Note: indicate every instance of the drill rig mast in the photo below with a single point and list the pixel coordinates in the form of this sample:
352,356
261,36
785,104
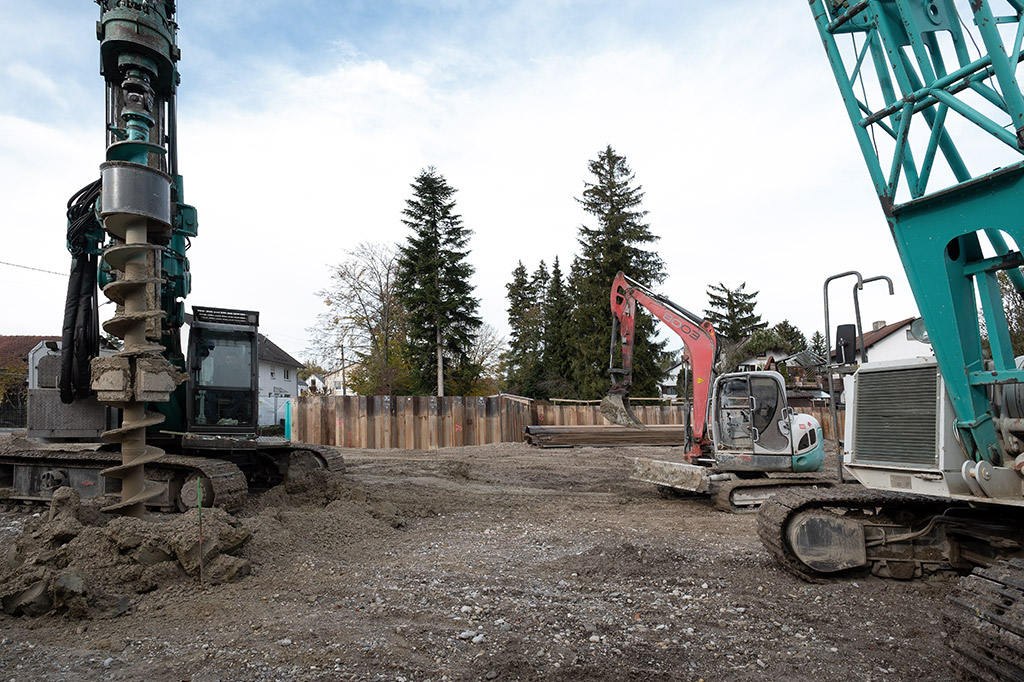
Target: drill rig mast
141,210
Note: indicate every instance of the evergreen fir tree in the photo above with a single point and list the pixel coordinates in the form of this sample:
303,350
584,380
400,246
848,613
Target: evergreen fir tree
615,243
731,312
535,331
434,287
557,357
792,340
818,345
515,358
524,358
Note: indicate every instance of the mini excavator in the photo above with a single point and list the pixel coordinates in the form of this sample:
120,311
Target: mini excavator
757,443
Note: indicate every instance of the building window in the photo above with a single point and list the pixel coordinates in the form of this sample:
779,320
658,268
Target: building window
271,372
287,372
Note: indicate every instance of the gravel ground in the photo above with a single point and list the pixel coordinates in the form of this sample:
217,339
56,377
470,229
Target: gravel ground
500,562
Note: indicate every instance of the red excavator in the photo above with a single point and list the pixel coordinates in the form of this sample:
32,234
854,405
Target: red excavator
755,442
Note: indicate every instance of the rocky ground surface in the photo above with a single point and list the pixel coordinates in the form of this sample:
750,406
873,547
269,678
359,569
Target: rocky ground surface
500,562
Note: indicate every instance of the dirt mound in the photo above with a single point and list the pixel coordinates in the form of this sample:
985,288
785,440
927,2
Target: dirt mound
79,560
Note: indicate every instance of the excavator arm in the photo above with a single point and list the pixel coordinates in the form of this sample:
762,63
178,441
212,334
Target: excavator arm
698,337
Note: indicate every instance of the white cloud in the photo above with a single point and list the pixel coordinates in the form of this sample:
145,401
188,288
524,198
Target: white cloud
36,82
739,140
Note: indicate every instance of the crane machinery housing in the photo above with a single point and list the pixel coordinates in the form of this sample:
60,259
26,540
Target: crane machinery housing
932,90
742,428
129,231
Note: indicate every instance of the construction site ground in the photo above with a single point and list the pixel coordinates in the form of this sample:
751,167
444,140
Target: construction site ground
500,562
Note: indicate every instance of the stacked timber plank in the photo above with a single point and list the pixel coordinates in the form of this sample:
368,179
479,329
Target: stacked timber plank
603,436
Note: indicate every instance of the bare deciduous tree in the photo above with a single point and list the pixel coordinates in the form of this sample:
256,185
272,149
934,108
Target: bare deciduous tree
363,326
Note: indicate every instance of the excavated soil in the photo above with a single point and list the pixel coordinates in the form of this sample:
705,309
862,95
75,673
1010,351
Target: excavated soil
500,562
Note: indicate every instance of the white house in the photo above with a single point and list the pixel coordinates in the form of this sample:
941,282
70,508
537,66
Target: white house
756,363
667,385
336,382
279,381
891,342
315,385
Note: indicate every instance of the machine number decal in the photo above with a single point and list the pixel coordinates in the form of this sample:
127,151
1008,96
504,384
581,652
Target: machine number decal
680,324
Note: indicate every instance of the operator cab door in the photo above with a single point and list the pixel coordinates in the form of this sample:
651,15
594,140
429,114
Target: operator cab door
224,377
751,423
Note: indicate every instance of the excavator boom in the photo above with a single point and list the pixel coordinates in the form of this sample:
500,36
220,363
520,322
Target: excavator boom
698,337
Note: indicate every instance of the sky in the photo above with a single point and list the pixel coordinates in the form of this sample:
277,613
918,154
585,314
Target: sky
302,125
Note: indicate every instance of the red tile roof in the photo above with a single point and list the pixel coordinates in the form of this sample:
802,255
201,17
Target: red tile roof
14,349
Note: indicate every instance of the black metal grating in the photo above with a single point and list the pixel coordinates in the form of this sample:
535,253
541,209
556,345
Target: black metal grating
896,415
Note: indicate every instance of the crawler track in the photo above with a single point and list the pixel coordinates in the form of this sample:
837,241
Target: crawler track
331,458
984,622
776,513
228,485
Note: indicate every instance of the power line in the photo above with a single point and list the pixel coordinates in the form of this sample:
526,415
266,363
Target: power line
26,267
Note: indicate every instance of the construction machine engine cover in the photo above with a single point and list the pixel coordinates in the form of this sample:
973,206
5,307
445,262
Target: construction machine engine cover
901,435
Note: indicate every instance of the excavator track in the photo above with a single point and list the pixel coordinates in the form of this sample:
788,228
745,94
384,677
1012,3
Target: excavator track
776,514
728,495
984,623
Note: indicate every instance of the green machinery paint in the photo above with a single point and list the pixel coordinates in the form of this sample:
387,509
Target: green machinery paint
940,233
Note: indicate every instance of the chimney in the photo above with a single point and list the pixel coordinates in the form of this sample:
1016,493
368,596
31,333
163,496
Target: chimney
877,325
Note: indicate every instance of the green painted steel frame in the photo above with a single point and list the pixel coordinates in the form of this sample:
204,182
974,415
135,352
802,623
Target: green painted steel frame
939,234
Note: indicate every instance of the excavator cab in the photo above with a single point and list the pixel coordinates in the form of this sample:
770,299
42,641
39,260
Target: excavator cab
223,371
754,428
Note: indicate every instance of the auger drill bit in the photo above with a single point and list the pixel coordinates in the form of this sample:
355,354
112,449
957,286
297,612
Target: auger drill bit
138,55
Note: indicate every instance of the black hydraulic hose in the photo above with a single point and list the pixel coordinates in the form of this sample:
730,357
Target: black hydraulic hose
81,216
87,332
80,330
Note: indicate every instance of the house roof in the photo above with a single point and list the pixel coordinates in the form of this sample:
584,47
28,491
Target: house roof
873,337
804,358
271,352
876,335
14,350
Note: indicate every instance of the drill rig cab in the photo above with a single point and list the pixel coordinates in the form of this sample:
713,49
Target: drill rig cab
223,371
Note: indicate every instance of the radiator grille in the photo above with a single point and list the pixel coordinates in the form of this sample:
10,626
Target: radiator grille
896,413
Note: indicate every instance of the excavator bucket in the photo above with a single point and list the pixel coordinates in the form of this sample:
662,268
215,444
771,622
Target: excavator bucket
615,408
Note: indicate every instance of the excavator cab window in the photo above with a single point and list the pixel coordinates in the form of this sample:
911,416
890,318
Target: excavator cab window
767,406
751,414
733,414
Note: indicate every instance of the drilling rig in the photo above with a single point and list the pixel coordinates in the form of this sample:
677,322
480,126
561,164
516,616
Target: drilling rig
932,91
186,435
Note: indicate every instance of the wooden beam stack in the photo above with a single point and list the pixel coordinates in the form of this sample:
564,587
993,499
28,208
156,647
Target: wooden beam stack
603,436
